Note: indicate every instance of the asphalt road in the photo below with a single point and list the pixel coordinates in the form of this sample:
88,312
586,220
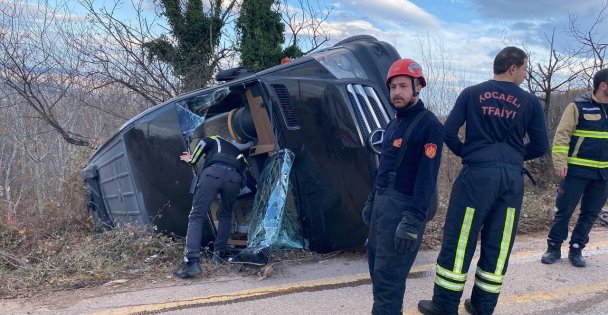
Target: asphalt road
341,285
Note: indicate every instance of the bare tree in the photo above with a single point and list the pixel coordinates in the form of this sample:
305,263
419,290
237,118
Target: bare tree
36,67
594,41
444,82
151,60
557,74
114,52
10,154
549,79
305,22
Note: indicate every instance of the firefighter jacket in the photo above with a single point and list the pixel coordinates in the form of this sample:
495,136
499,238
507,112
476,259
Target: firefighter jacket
417,174
581,139
216,149
489,110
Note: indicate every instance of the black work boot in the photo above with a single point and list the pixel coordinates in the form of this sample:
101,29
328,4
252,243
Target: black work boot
468,306
553,253
190,268
428,307
576,256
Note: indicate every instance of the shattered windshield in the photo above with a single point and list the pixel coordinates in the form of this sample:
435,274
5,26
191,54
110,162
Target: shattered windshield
342,63
188,120
200,104
275,220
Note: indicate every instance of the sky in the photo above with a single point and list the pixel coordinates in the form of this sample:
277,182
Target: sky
469,32
465,35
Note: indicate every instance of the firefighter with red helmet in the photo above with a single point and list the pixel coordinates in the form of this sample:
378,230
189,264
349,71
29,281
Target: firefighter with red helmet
487,195
397,209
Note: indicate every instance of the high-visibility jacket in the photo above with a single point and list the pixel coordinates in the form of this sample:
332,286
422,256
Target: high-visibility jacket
581,139
216,149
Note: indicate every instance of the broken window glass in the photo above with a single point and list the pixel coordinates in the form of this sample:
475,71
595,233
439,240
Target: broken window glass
274,220
188,121
200,104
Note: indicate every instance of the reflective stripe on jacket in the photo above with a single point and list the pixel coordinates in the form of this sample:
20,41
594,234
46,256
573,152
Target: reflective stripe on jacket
581,139
216,149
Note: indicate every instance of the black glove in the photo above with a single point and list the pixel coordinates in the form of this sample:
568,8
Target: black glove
367,209
406,236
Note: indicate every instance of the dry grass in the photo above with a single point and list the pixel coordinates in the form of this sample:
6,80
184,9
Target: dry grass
78,259
57,248
538,209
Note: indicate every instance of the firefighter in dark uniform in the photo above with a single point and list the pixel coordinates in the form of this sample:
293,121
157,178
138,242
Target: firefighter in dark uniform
487,194
222,173
396,212
580,157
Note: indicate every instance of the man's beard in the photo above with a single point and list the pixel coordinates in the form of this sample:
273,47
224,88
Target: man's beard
399,99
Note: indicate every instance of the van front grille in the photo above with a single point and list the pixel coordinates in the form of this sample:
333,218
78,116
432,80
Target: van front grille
368,108
369,113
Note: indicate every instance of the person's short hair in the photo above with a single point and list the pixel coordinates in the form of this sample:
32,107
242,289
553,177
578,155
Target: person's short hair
598,78
507,57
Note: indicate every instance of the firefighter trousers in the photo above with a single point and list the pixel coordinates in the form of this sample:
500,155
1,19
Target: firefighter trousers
485,201
387,267
594,194
215,178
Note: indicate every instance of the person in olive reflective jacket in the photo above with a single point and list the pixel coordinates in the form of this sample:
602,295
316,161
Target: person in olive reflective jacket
580,157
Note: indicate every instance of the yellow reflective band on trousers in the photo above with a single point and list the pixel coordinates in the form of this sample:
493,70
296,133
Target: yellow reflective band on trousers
588,163
489,276
507,234
492,288
463,239
591,134
451,275
456,274
449,285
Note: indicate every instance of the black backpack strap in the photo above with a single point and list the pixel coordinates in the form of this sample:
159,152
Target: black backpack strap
406,135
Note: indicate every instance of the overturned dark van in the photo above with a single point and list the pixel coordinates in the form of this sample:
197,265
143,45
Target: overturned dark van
323,108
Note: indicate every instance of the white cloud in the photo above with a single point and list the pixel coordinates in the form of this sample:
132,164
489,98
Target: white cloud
537,9
402,12
341,30
468,46
467,49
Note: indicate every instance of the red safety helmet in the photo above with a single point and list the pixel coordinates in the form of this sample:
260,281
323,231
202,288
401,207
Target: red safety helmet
407,67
